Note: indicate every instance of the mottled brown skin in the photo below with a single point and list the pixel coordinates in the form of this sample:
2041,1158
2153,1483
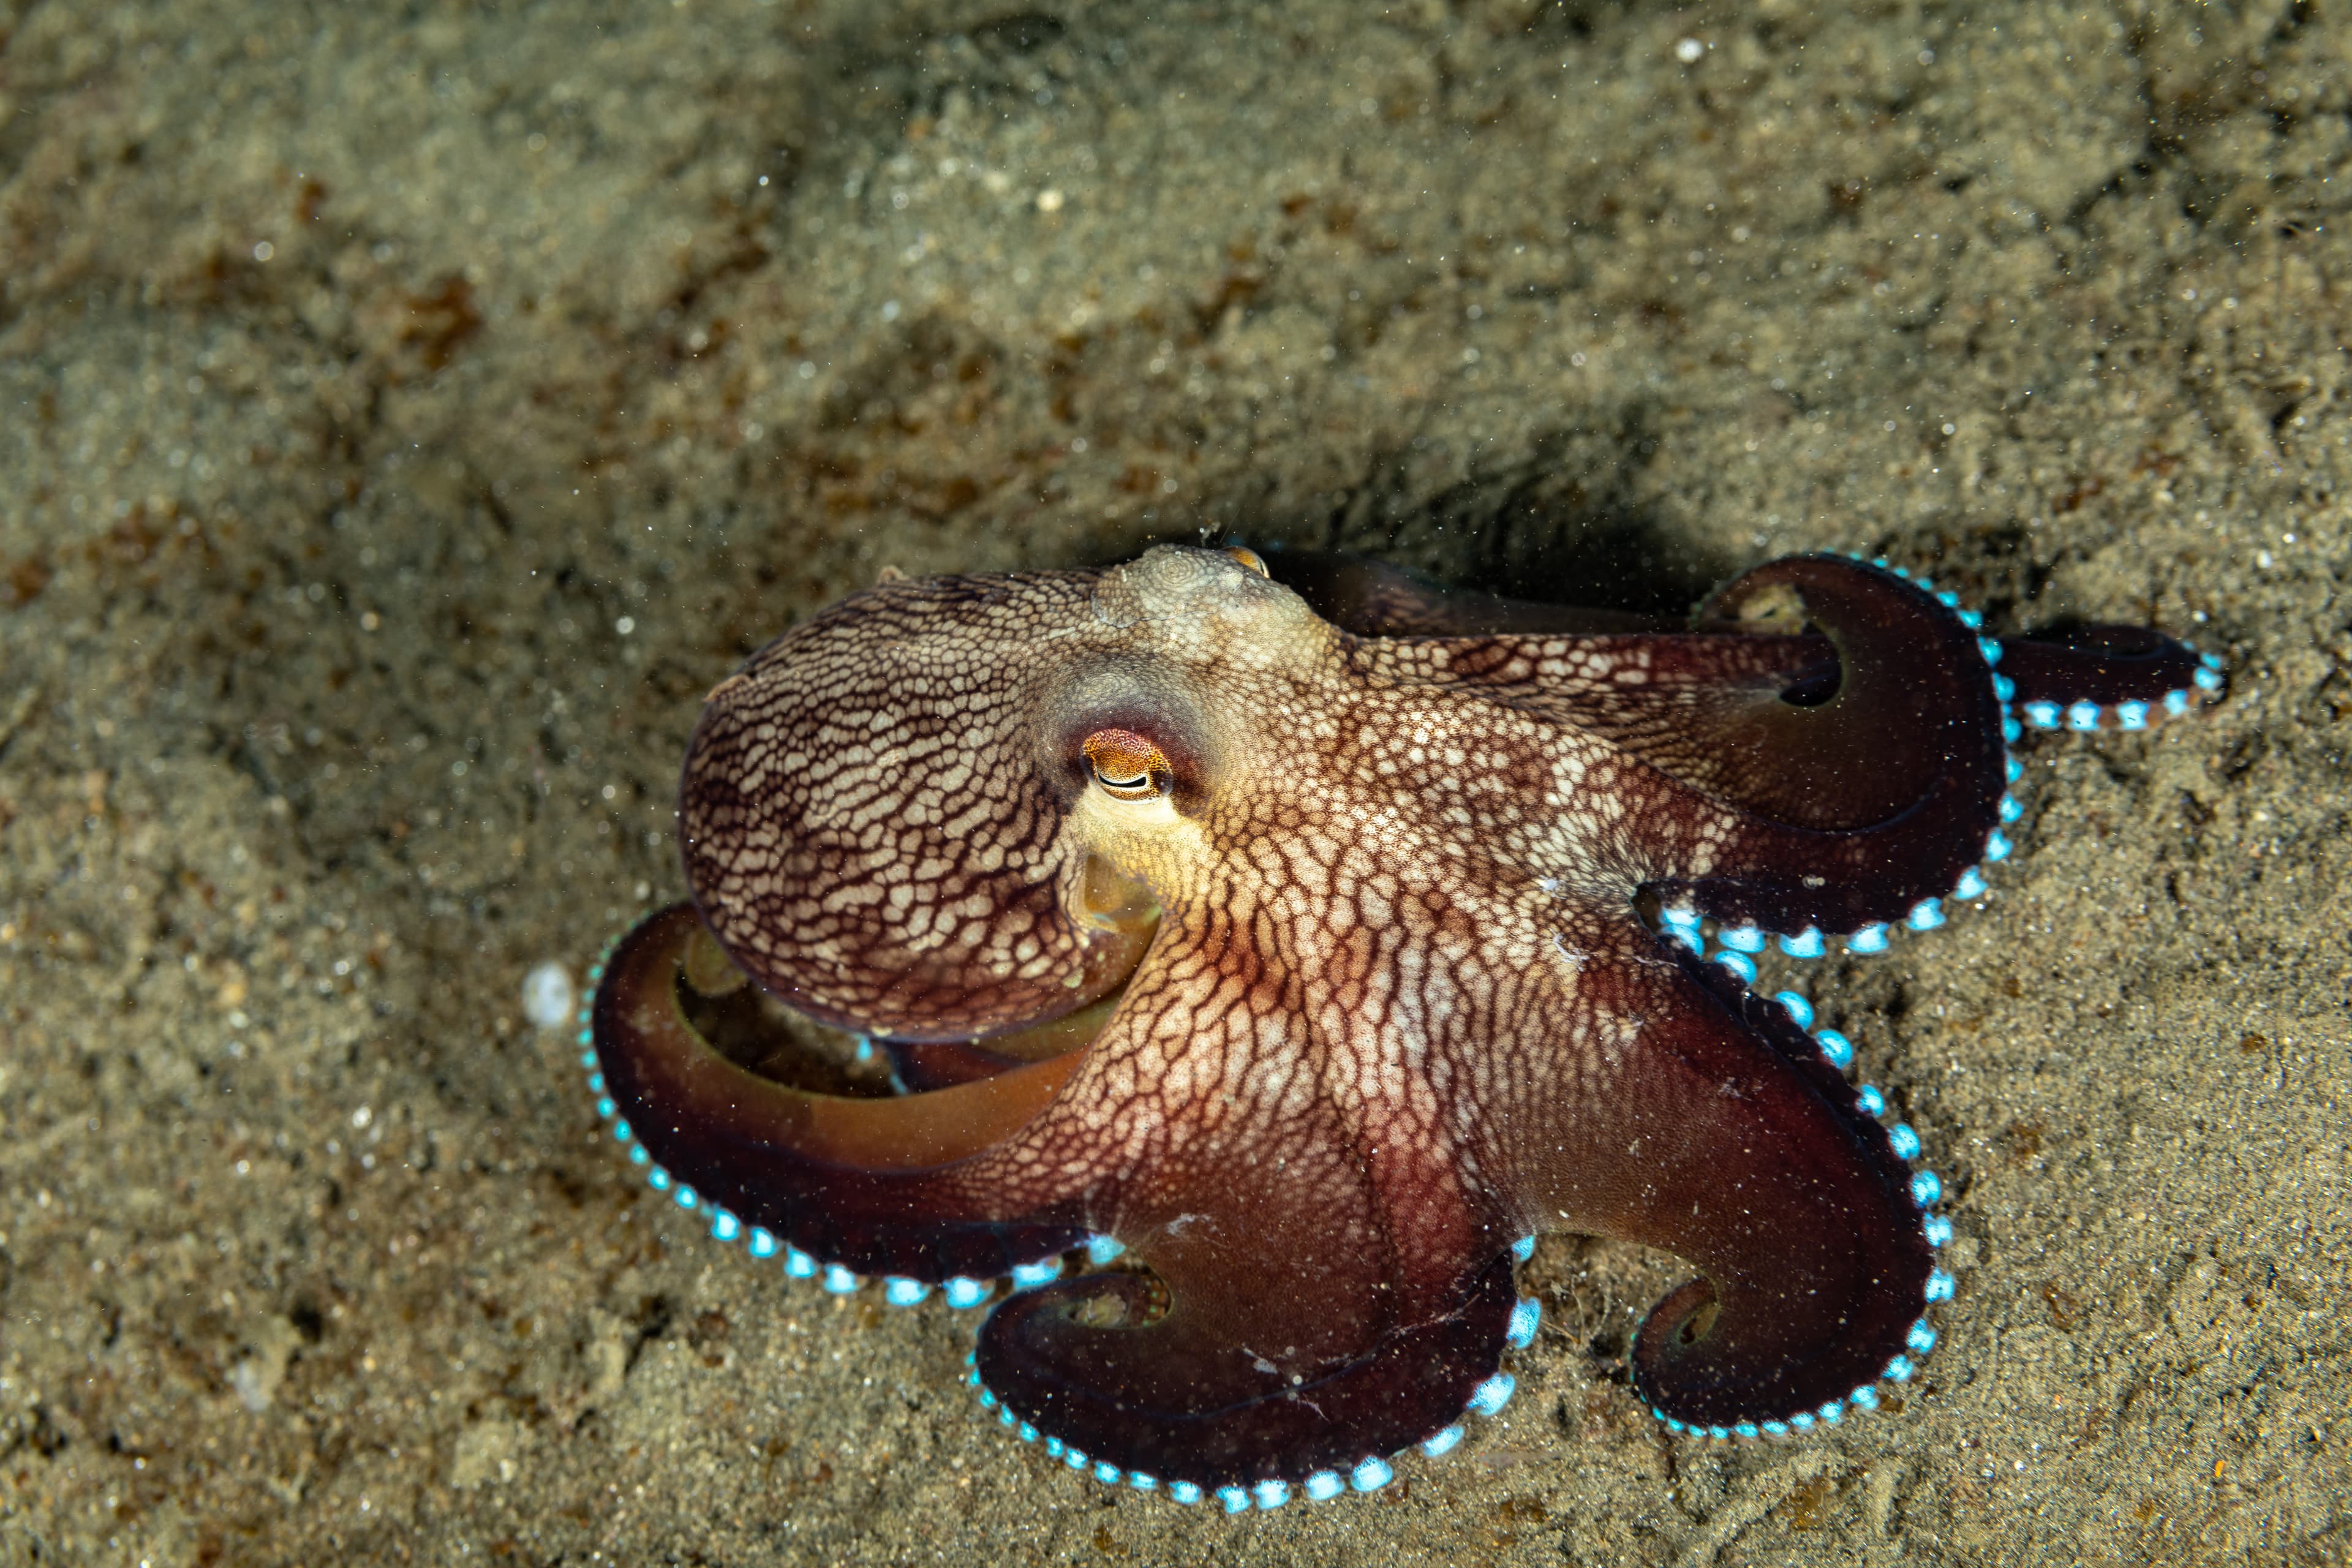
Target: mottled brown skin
1388,1001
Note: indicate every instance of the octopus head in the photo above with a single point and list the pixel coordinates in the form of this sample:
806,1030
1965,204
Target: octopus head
953,808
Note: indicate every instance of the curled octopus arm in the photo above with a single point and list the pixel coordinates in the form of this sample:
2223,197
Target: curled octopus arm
1690,1115
876,1186
1826,781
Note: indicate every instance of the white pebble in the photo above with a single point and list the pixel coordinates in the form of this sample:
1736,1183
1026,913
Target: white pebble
548,997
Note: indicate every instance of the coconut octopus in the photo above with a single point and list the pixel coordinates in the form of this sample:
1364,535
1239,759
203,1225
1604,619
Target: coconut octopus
1289,956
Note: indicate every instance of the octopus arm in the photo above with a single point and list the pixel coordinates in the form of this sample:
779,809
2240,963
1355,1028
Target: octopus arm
1686,703
2108,666
1834,731
880,1186
1862,796
1891,712
1724,1137
1297,1306
1852,800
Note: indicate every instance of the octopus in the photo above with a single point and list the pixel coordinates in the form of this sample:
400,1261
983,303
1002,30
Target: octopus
1262,960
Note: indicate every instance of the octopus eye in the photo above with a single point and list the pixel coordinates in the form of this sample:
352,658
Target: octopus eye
1249,558
1127,766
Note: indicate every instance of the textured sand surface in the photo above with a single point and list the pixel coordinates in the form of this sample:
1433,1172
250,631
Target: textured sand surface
408,417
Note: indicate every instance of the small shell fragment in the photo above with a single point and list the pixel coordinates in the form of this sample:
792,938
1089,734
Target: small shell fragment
548,997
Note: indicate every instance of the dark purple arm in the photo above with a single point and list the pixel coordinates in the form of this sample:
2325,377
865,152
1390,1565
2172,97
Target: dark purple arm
872,1185
1717,1131
1299,1314
2125,676
1837,778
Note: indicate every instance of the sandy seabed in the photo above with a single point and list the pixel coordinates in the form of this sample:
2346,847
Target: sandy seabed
408,417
